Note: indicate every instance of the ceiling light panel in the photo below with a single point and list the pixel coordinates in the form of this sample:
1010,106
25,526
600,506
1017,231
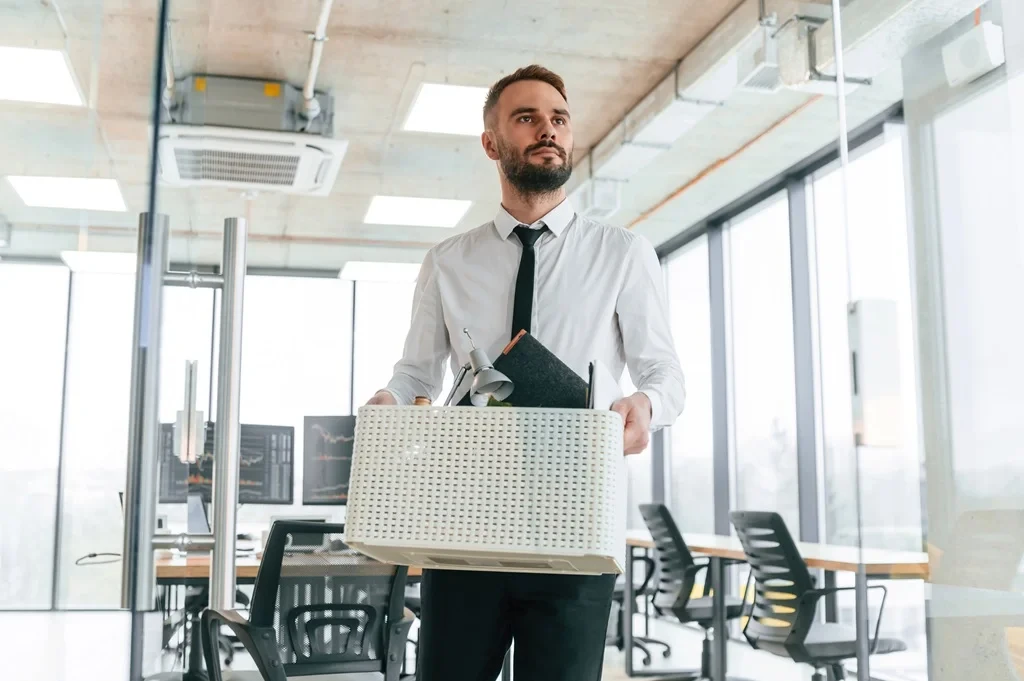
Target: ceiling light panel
447,109
35,75
359,270
415,212
80,193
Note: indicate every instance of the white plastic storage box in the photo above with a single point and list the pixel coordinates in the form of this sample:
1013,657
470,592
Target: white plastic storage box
494,488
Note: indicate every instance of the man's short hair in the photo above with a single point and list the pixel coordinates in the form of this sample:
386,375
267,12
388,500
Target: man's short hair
532,72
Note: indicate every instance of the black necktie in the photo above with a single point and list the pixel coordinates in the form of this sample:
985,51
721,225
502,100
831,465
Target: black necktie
522,308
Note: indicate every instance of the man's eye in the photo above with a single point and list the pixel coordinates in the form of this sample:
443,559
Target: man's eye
560,121
525,119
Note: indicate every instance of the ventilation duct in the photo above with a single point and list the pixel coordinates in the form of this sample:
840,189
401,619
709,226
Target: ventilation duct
876,35
741,52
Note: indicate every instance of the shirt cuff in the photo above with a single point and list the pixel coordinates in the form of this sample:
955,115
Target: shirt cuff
656,408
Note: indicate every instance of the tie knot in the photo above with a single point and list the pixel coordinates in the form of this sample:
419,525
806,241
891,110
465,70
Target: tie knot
528,236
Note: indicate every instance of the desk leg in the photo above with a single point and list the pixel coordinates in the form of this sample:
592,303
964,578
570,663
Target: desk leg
718,620
627,612
863,634
195,671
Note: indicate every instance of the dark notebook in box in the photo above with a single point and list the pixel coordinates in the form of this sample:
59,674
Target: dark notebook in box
539,377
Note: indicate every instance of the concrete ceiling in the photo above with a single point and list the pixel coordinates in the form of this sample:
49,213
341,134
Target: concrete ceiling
610,53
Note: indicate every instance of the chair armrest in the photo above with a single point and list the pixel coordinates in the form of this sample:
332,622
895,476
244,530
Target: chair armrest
814,595
398,637
696,569
259,642
649,565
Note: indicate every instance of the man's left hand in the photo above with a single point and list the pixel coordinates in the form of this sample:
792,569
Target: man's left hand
636,416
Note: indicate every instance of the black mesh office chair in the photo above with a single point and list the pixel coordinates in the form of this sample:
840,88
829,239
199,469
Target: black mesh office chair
324,609
784,618
645,590
676,571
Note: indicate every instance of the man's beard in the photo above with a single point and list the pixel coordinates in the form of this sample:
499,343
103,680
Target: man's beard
531,178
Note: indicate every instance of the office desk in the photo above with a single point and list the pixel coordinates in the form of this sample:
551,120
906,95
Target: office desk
864,563
195,570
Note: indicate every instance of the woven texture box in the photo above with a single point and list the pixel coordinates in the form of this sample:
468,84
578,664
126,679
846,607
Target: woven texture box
496,488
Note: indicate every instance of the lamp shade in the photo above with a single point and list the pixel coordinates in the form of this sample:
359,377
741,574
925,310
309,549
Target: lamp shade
487,381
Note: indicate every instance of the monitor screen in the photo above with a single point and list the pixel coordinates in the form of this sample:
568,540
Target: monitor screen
327,446
266,466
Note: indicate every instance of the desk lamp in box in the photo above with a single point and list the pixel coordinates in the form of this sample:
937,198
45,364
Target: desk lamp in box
488,382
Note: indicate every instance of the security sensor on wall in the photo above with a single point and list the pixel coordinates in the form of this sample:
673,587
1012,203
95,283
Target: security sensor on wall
974,54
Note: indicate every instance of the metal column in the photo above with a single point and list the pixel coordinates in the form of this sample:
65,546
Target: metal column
138,576
226,449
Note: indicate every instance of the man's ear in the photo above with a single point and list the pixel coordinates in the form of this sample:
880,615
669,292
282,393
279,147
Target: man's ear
490,148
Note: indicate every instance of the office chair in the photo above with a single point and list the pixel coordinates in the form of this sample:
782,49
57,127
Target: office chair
317,612
646,591
783,620
677,572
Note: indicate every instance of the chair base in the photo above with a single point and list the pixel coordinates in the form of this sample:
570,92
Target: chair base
838,673
667,674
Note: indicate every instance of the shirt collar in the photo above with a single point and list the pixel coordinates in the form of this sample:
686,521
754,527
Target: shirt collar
557,220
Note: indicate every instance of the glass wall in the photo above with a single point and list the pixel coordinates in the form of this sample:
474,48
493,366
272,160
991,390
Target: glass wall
873,266
32,380
95,436
690,445
966,143
762,388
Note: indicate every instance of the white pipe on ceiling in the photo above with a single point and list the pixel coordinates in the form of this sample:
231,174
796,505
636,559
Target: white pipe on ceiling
310,106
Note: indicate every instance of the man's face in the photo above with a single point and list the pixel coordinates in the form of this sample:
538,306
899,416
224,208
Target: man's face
530,135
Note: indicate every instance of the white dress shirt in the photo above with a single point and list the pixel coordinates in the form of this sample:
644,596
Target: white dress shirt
598,295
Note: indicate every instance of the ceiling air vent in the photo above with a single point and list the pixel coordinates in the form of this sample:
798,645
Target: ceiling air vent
209,156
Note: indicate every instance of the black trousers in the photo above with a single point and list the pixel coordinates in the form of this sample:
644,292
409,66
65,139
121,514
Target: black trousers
559,623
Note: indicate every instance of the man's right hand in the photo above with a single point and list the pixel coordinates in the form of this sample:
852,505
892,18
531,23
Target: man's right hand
383,398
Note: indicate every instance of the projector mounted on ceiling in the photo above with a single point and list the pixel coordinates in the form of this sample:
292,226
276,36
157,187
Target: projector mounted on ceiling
249,135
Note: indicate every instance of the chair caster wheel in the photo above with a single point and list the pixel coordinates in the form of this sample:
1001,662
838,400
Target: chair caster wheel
647,660
666,653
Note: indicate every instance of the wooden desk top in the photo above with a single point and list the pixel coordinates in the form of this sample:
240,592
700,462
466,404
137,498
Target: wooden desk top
174,567
878,562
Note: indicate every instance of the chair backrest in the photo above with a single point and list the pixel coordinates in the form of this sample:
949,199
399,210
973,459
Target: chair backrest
329,606
673,563
780,578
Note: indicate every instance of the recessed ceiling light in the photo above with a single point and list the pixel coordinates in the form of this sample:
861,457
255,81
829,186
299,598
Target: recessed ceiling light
82,193
359,270
447,109
415,212
33,75
102,262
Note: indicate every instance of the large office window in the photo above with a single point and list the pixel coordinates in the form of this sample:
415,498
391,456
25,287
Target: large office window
690,450
382,317
33,314
762,389
296,362
874,264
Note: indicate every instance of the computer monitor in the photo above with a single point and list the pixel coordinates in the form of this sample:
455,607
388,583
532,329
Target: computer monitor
265,471
327,447
161,520
198,518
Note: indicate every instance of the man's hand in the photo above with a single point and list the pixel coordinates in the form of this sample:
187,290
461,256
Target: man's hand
383,399
636,416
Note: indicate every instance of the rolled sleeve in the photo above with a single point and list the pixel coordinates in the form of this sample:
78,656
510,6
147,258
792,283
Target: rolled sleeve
421,369
647,337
